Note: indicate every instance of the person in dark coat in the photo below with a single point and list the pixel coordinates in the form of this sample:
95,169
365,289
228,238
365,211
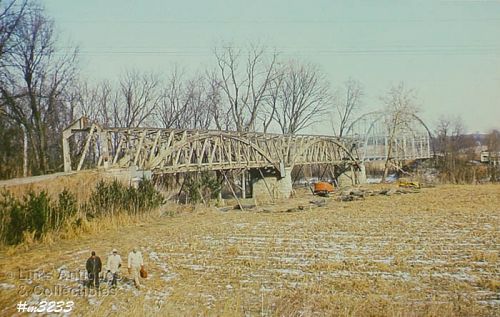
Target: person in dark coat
94,267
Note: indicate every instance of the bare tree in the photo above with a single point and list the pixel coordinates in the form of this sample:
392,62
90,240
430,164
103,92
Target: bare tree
187,103
221,115
400,103
11,14
274,96
173,104
38,77
85,101
202,100
493,142
105,102
214,103
346,102
298,97
136,98
170,106
448,131
244,89
96,102
455,149
12,136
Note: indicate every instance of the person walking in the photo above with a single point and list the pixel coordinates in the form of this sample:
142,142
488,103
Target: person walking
114,264
135,264
93,267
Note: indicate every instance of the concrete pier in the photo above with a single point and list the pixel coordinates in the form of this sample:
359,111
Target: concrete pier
270,185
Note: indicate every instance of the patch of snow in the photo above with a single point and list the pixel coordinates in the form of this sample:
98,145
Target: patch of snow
81,252
210,300
490,302
287,271
431,261
169,277
154,256
385,260
195,267
461,276
264,289
478,263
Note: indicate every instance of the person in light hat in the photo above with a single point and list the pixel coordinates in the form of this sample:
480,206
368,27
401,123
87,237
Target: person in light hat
135,263
114,264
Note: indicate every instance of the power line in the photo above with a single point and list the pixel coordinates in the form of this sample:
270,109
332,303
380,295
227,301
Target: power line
465,50
275,21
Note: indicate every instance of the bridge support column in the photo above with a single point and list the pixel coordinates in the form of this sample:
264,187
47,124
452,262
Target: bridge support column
285,184
270,185
361,174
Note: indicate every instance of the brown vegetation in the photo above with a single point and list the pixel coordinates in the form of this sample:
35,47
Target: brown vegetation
429,253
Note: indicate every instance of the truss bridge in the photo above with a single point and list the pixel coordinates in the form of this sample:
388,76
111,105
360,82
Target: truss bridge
174,151
377,138
170,151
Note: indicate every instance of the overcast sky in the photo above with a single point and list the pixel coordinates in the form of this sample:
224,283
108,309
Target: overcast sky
448,51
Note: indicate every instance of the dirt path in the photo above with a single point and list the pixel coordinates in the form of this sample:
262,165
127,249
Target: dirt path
434,252
33,179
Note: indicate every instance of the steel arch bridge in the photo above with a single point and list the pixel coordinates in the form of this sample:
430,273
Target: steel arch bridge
167,151
371,132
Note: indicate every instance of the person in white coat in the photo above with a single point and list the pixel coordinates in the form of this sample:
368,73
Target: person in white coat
114,264
135,263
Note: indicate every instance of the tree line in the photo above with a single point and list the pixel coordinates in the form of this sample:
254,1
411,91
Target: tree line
247,89
41,92
457,152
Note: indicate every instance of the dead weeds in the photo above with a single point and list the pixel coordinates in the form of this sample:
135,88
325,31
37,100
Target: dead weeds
431,253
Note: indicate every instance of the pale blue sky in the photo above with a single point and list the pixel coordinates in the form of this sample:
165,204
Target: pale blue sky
449,51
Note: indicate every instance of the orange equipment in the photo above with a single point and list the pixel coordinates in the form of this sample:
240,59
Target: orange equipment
323,188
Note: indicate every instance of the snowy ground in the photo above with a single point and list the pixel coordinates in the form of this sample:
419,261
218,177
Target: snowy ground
434,252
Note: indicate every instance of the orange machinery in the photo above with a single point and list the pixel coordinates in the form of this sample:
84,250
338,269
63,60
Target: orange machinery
322,188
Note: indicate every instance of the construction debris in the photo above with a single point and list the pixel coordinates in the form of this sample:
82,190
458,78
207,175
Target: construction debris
319,202
361,193
347,194
408,183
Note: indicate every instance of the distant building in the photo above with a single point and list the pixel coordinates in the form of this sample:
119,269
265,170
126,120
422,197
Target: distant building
490,157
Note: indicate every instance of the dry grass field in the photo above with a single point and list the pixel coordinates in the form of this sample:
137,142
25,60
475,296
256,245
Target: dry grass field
431,253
